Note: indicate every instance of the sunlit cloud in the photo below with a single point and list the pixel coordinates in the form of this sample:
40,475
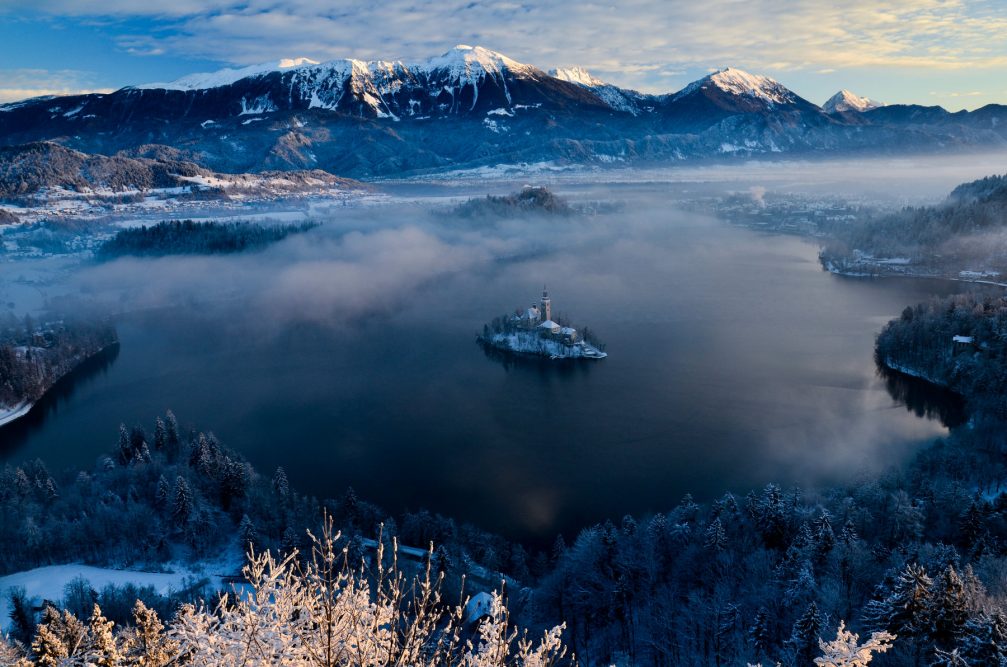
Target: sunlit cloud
21,84
639,43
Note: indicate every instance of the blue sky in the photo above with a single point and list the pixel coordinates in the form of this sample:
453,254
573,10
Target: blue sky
948,52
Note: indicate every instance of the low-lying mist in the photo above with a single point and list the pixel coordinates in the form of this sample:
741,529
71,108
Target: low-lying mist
347,355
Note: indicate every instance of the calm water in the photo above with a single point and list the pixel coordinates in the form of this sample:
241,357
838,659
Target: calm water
734,361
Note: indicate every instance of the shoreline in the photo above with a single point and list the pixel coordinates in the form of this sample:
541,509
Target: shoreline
590,353
12,414
831,268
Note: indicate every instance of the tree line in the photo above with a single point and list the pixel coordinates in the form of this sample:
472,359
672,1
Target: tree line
188,237
34,355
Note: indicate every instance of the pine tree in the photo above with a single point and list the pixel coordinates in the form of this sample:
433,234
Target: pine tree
22,484
125,449
280,484
20,613
48,647
825,537
948,609
848,535
289,541
160,435
761,633
103,648
51,494
904,611
973,528
171,437
804,637
59,637
147,644
558,550
162,494
246,533
182,508
715,539
984,640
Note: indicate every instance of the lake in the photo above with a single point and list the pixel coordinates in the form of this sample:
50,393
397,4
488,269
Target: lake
349,358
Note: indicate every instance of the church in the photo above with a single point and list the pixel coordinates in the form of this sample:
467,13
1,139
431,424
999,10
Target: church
539,318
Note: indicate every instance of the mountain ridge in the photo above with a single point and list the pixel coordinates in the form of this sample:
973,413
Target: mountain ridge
473,107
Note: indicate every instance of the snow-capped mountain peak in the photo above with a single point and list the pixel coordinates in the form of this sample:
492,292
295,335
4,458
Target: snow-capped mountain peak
576,75
739,82
844,100
467,63
227,76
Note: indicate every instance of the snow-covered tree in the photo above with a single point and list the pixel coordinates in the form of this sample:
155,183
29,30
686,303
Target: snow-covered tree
103,647
805,635
715,539
125,449
182,507
325,613
146,643
760,634
847,651
160,435
905,610
280,484
948,609
246,532
59,638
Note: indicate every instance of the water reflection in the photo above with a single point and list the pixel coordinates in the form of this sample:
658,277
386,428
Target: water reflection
923,398
18,432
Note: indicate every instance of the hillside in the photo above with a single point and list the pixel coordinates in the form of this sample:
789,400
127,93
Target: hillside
26,169
30,169
964,233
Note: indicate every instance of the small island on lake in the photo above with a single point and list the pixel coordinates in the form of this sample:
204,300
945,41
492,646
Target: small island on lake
34,356
533,331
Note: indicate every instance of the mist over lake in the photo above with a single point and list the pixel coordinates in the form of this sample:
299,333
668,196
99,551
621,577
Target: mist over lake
347,355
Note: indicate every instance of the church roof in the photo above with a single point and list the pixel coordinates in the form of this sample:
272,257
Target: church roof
548,324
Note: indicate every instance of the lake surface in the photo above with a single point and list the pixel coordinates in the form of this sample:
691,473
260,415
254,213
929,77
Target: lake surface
734,360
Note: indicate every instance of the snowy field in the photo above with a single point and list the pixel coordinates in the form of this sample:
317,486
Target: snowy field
48,583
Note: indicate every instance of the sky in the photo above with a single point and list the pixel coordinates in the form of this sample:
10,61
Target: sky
947,52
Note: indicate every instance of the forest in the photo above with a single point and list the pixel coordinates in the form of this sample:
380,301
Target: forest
966,229
915,553
959,342
188,237
34,355
527,200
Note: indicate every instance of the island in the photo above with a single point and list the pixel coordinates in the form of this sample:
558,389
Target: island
35,356
533,331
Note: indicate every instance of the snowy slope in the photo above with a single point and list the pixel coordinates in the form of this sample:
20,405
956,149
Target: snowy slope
227,76
577,75
616,98
738,82
844,100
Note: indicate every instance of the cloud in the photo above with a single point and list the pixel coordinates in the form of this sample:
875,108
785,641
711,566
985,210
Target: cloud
635,42
19,84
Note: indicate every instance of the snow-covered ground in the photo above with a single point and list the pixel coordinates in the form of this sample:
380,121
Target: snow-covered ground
524,342
47,583
9,414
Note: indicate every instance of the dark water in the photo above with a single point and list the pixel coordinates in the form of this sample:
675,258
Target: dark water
734,361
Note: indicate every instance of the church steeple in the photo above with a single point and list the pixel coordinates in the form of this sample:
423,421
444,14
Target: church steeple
546,304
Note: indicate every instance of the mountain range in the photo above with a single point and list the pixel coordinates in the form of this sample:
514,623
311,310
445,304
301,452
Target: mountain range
472,107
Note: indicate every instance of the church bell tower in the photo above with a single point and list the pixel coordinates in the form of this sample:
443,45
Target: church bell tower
546,305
